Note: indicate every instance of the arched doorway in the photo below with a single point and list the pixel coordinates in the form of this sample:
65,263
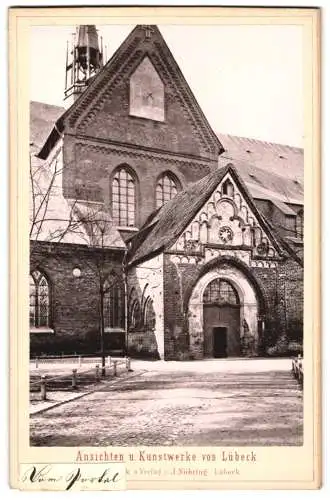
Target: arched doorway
221,319
223,313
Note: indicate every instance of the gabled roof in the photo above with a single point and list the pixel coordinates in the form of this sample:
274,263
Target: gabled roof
163,228
278,159
42,119
267,175
267,184
112,69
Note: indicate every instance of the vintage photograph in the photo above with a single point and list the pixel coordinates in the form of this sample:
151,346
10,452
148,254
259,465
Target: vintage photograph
166,235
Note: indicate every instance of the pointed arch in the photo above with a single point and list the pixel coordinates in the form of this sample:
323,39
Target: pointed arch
40,300
220,291
149,316
227,188
135,315
114,303
144,294
124,196
167,186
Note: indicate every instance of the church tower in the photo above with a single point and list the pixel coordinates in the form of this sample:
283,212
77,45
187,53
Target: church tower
86,60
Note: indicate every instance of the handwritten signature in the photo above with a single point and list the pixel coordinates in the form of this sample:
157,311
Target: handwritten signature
47,475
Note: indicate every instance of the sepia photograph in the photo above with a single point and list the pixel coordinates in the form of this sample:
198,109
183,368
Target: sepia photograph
166,235
166,248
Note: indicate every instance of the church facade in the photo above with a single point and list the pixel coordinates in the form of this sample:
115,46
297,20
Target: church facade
161,242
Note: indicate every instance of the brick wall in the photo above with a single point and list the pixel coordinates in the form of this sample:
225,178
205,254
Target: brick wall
107,136
143,344
175,134
145,281
91,166
74,301
282,293
176,281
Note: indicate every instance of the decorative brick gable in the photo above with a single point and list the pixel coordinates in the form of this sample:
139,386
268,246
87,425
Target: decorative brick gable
225,225
103,110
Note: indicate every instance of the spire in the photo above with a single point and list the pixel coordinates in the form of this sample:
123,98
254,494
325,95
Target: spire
83,62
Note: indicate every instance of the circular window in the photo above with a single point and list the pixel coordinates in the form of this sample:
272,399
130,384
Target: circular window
226,234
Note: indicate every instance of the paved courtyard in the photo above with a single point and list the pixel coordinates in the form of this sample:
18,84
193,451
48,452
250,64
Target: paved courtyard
210,402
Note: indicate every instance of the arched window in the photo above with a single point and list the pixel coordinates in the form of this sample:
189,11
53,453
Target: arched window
39,300
113,304
300,224
149,318
220,292
167,187
228,188
123,198
135,315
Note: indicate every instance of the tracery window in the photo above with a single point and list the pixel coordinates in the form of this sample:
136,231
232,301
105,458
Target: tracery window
167,187
149,315
39,300
123,198
114,307
220,291
135,315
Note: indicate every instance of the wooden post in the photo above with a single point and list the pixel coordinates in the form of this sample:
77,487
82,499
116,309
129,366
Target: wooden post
128,364
97,373
300,370
109,361
115,368
43,393
74,378
37,362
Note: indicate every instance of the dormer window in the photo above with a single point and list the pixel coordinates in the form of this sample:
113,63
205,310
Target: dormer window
300,224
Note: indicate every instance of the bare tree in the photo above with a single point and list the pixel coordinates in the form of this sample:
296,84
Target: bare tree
55,220
51,218
101,236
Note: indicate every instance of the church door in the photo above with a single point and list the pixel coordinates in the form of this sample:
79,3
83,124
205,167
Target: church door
220,342
221,320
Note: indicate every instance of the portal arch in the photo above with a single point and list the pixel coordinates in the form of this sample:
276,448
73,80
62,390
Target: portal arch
246,318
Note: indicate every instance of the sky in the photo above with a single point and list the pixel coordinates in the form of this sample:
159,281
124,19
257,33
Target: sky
247,79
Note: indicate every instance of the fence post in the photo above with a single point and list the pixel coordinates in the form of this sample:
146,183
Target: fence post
128,364
43,393
97,373
115,368
37,363
109,361
74,378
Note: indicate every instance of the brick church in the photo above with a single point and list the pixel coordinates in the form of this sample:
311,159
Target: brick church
151,233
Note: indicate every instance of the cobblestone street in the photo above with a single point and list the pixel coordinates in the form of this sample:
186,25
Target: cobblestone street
211,402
